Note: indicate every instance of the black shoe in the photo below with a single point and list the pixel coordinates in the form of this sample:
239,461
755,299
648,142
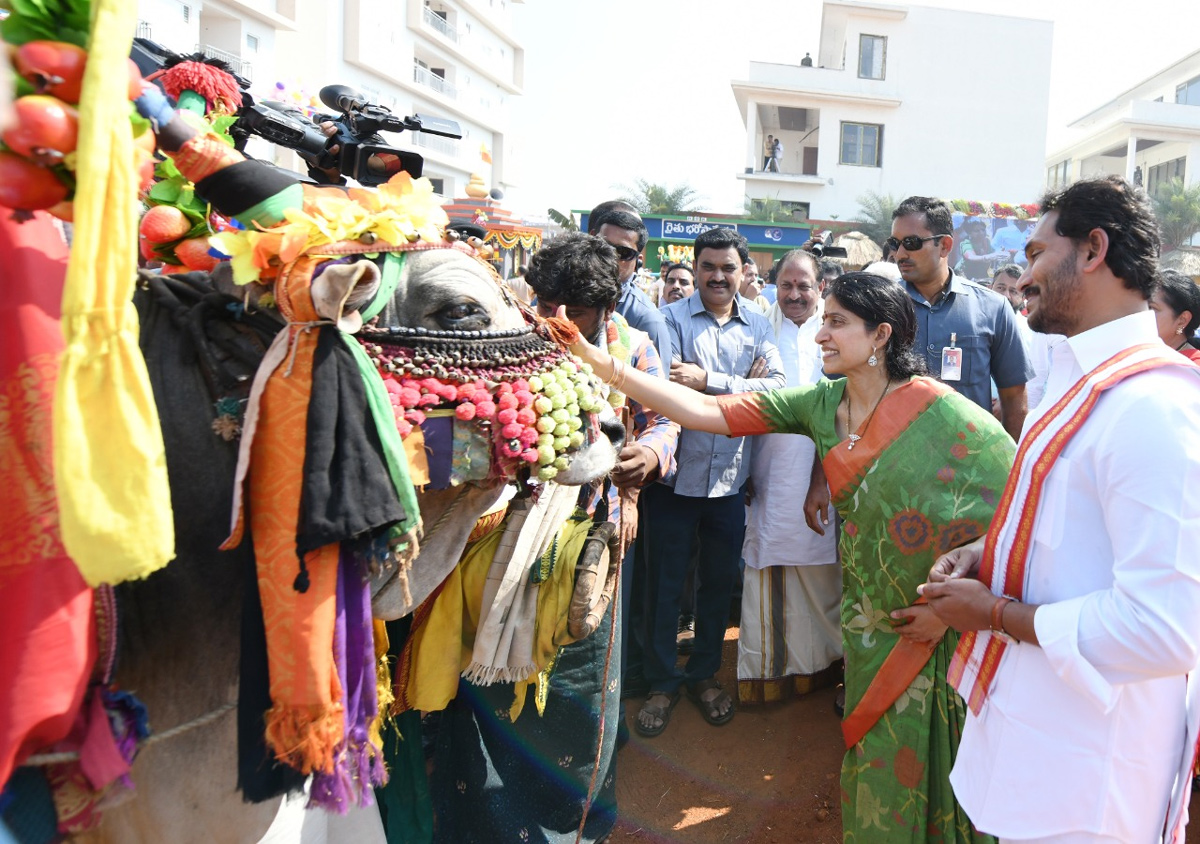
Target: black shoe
685,640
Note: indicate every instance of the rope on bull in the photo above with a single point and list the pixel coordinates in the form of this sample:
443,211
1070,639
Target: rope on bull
42,759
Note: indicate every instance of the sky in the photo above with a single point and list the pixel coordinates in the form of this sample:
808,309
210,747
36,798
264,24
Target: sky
625,89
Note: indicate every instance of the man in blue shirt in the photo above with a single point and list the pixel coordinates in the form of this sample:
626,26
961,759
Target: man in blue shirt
968,333
619,224
717,338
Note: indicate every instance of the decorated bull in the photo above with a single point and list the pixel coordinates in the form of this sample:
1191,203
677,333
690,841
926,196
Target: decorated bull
363,404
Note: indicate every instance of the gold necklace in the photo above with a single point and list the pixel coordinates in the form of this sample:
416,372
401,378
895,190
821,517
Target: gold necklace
852,437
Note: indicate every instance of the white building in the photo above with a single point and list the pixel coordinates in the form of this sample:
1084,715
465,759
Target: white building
901,100
455,59
1149,133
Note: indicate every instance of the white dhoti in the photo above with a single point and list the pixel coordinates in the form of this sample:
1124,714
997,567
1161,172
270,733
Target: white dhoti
790,639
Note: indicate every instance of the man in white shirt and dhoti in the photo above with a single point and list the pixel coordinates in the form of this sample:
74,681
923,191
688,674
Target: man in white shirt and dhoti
790,640
1083,601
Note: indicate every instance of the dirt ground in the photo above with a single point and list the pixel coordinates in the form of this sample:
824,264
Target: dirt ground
769,776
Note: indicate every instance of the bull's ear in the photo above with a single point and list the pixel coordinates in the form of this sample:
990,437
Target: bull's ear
333,289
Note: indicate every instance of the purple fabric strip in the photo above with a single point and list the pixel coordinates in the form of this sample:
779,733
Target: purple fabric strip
359,766
334,792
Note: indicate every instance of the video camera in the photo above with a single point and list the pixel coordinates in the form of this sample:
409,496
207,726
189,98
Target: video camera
822,247
362,154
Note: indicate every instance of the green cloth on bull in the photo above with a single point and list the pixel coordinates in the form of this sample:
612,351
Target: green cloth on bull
393,450
404,803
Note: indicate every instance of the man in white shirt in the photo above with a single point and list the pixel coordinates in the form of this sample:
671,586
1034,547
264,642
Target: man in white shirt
1037,345
1083,691
791,636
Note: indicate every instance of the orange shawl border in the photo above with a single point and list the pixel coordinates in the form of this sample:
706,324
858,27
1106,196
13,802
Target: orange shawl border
1018,557
901,666
845,467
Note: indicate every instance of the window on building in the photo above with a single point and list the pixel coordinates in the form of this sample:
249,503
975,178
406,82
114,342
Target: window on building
862,144
1058,175
187,14
1189,92
252,43
872,54
439,186
1160,175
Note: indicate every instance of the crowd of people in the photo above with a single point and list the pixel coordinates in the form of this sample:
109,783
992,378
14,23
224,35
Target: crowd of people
975,508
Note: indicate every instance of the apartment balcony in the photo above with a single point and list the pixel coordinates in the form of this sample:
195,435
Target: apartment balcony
239,66
765,179
435,143
440,25
808,86
430,80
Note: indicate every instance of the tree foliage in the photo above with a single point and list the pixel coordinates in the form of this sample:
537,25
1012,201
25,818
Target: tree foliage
1177,207
652,198
768,208
874,216
565,221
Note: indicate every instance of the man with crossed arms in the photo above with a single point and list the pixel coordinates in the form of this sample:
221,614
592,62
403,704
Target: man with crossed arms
1082,632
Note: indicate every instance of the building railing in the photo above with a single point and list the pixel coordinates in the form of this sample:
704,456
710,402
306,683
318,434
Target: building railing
236,63
143,30
423,76
446,146
441,25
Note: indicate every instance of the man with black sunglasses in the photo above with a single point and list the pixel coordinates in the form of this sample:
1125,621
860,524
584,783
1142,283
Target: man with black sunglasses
968,333
619,224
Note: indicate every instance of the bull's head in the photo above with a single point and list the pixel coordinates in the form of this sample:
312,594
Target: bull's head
455,349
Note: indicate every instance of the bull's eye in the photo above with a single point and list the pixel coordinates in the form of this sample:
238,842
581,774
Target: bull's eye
466,316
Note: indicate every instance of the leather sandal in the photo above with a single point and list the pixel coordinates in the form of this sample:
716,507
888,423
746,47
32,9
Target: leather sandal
710,709
661,713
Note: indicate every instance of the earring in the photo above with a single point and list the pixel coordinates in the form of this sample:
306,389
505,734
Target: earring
872,360
1178,330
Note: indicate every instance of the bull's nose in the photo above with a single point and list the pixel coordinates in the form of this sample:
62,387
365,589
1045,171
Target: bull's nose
615,431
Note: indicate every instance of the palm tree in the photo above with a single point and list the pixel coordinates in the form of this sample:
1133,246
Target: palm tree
565,221
1177,207
652,198
874,217
768,208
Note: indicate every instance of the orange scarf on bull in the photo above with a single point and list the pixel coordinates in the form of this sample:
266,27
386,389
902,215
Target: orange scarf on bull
298,577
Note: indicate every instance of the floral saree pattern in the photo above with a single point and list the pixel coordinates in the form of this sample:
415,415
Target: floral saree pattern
923,479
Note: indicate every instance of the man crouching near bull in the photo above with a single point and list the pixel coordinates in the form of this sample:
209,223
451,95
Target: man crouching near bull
530,779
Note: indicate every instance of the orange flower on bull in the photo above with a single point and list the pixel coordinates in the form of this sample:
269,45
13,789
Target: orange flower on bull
911,531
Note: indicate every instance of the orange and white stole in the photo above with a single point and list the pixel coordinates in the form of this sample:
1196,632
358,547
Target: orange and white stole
1009,539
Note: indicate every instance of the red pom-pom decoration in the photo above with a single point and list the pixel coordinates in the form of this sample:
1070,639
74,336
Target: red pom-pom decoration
465,412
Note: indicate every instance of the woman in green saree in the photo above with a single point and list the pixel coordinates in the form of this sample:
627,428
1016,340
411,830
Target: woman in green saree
914,471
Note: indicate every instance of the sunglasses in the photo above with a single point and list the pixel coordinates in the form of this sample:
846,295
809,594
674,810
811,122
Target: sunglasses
912,243
625,253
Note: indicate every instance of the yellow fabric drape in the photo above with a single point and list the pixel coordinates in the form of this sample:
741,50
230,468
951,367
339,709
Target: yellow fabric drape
110,471
441,647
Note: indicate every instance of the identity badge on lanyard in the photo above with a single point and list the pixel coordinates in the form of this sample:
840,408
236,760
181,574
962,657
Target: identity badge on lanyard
952,361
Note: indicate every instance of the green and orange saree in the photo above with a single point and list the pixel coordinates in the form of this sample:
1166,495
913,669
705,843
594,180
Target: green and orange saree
923,479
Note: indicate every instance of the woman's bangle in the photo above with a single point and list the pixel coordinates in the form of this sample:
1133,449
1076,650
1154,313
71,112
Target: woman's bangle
617,379
998,617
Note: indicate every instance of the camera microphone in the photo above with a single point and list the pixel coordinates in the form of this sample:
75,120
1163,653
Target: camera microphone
342,97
